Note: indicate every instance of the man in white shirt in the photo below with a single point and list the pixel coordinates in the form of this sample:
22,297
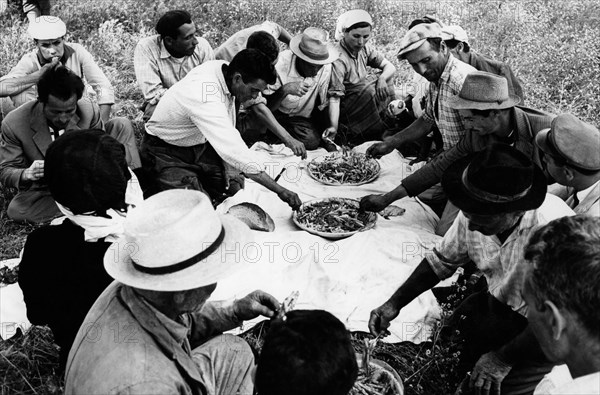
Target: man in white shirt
165,58
48,33
571,154
502,198
562,292
191,141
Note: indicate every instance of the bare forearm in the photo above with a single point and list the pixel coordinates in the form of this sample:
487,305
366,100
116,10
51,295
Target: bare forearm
285,36
263,179
422,279
395,194
265,116
274,100
13,86
105,112
388,72
334,112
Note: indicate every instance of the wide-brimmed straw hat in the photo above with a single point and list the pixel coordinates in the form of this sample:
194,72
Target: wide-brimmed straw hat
312,46
575,141
483,91
175,241
499,179
46,27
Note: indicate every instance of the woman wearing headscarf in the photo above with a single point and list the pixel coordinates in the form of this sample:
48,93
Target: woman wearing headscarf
61,272
362,97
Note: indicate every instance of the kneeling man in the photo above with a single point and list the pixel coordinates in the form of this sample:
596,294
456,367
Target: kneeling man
152,331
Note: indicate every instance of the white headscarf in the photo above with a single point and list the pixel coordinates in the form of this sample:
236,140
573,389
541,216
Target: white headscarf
108,228
349,18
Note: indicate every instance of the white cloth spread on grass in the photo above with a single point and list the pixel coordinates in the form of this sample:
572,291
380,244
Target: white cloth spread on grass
13,313
348,277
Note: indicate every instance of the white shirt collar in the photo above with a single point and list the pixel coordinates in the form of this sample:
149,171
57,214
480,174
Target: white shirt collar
581,195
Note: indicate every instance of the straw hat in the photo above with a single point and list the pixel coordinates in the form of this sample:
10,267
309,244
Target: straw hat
312,46
175,241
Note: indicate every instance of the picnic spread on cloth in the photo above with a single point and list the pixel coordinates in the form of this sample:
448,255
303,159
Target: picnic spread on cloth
348,276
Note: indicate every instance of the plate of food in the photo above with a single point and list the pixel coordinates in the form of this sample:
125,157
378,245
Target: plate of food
333,218
348,168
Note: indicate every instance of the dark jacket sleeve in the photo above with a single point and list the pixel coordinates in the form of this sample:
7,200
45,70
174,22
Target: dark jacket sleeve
432,172
12,158
37,278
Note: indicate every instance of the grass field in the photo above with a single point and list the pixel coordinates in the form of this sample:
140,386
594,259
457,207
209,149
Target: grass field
550,44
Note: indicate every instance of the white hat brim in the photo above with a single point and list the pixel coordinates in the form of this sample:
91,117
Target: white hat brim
226,260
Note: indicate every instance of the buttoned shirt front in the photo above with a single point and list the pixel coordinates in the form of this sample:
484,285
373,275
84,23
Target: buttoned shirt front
156,70
438,111
200,108
502,264
78,60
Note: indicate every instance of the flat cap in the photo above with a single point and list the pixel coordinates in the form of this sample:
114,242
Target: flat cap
416,36
47,27
575,141
454,32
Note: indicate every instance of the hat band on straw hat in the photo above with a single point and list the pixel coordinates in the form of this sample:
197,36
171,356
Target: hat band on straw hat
321,55
485,196
184,264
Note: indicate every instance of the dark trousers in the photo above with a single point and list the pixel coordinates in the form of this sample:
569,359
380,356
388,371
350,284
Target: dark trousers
480,324
198,167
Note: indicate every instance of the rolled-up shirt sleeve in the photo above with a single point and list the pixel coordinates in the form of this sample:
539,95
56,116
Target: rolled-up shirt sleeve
213,120
213,319
338,75
453,252
374,57
25,66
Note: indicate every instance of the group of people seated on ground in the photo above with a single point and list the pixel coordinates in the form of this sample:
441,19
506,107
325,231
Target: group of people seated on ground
152,331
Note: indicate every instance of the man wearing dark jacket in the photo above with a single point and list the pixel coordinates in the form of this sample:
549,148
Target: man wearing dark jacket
490,114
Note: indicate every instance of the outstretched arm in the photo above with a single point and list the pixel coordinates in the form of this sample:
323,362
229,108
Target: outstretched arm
265,116
422,279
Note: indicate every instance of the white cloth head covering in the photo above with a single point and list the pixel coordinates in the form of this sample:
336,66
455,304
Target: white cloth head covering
111,228
350,18
47,27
